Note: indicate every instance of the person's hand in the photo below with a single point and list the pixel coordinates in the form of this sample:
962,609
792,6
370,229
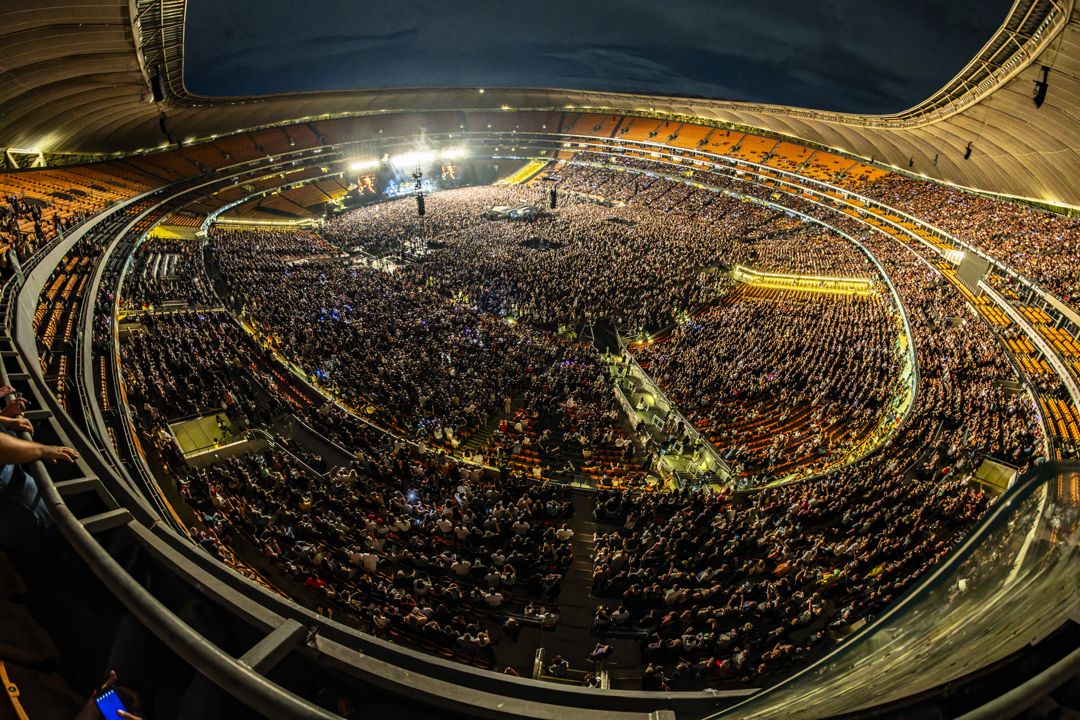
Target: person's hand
6,390
59,452
17,424
15,407
111,681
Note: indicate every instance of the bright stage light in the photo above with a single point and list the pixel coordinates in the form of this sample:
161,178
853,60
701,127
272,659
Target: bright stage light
417,157
422,157
364,165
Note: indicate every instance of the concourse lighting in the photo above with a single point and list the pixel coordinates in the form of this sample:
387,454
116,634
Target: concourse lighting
364,165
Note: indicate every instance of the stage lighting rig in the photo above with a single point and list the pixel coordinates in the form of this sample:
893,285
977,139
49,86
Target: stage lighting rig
418,176
552,192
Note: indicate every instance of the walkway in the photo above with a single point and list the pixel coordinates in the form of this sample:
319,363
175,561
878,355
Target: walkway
573,637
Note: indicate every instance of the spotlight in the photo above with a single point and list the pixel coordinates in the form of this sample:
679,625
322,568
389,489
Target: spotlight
418,176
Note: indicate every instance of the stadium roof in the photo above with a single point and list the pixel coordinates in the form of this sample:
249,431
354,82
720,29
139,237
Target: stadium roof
79,76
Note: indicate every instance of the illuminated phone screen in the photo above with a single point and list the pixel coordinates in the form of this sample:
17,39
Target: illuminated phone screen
109,704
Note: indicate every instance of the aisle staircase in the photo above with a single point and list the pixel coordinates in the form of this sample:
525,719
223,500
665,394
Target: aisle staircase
530,455
573,637
480,439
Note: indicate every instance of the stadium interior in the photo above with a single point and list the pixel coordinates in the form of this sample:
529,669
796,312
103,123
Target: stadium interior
534,403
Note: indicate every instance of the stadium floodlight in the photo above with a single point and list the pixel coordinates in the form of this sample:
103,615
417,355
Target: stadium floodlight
453,153
364,165
417,157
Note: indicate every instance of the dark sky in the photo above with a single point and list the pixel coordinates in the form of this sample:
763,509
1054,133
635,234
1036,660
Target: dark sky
873,56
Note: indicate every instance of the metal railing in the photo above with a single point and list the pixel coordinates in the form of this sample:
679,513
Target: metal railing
227,672
1011,583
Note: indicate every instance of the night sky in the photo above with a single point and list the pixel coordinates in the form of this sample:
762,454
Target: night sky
873,56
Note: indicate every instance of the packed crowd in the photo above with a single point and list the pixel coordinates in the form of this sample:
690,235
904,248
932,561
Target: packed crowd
764,238
1041,245
625,262
629,264
382,227
260,251
28,223
189,363
166,270
795,246
962,369
417,547
420,361
402,541
953,319
738,591
782,382
409,548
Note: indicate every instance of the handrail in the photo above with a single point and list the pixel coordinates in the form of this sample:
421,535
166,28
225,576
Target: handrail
225,671
722,171
298,374
694,432
21,308
673,409
1039,341
659,149
1005,505
228,673
271,440
269,699
84,345
678,154
1024,696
